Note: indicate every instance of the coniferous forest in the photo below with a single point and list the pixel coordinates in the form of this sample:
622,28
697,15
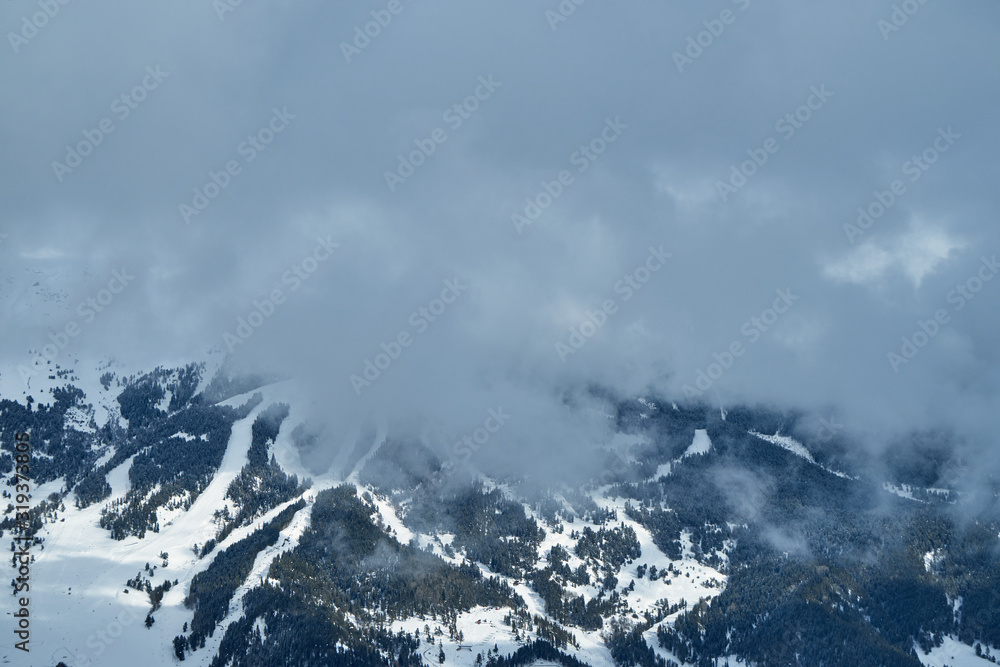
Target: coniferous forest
812,565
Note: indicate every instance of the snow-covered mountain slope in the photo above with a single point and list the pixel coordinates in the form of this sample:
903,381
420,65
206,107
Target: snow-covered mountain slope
172,517
81,572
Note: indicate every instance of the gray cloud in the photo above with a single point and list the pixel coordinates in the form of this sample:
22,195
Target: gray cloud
324,175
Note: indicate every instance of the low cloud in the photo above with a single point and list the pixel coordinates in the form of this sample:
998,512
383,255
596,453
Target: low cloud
656,184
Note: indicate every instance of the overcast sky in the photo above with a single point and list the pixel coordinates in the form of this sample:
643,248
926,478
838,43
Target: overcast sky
670,119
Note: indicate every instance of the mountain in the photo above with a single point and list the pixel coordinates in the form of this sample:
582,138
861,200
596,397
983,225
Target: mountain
183,514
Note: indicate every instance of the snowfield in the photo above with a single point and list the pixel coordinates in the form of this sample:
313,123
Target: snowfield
83,614
953,653
700,445
791,444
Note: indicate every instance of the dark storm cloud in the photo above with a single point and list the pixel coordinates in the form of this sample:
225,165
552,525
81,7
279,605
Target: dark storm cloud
204,136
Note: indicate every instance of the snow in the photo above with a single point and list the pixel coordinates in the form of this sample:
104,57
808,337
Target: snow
791,444
118,479
701,444
903,491
381,433
391,520
39,386
689,580
86,622
795,447
490,630
42,491
956,607
663,470
482,629
650,637
931,558
79,420
79,601
164,403
288,539
83,626
953,653
301,406
104,458
647,403
213,361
